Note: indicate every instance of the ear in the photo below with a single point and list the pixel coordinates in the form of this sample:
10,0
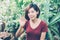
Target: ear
37,12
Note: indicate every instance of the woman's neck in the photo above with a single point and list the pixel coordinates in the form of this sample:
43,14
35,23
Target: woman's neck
34,20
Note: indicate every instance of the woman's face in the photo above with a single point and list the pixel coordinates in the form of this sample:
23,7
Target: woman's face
32,14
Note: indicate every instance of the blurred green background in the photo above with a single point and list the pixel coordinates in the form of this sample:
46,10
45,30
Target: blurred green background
12,10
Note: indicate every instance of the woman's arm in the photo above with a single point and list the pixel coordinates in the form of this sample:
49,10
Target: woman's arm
22,25
43,34
19,31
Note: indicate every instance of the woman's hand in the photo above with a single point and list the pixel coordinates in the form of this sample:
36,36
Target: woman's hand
22,21
21,29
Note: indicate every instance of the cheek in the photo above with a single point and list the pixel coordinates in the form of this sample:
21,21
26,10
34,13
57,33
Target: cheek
35,14
28,15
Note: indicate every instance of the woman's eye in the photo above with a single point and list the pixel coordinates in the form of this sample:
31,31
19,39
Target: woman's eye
28,12
32,11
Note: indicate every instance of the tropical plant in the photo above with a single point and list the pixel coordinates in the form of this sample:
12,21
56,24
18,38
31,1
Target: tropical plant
12,10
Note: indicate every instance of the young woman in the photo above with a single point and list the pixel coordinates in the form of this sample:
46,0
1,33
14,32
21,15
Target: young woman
35,28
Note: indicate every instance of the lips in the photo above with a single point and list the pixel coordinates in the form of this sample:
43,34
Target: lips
31,16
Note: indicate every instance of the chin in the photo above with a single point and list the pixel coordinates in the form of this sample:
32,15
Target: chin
32,18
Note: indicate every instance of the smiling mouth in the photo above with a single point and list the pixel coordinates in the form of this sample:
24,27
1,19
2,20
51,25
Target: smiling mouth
31,17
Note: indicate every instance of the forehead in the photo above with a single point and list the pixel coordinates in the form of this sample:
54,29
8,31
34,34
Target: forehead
31,9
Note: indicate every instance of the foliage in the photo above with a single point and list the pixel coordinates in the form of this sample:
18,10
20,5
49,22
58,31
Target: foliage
12,10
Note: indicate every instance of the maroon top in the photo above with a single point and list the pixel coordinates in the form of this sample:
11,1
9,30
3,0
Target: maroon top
34,34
